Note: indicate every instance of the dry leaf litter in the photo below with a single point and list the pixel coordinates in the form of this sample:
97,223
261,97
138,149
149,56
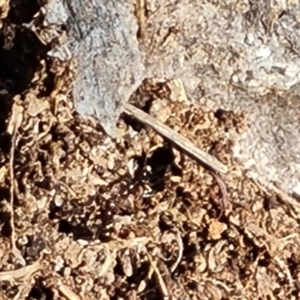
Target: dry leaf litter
84,216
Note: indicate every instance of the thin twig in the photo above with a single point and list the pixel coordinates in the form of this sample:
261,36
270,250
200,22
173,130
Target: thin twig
20,274
161,284
141,17
12,128
68,293
12,183
15,250
180,252
224,198
176,138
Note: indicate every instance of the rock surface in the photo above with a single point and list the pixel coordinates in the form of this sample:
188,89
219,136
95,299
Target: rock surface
235,55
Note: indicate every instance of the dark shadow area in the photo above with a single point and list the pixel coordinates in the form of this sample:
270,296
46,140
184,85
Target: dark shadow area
20,54
79,231
23,11
40,292
160,162
5,224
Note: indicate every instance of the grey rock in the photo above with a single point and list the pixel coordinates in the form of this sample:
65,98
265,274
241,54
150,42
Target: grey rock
244,55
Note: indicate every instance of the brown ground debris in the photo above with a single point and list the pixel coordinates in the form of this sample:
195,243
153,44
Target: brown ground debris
83,216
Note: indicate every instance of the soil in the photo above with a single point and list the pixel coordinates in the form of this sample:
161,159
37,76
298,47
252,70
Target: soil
87,217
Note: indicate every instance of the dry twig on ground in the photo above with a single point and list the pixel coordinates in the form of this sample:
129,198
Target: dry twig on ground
15,123
176,138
